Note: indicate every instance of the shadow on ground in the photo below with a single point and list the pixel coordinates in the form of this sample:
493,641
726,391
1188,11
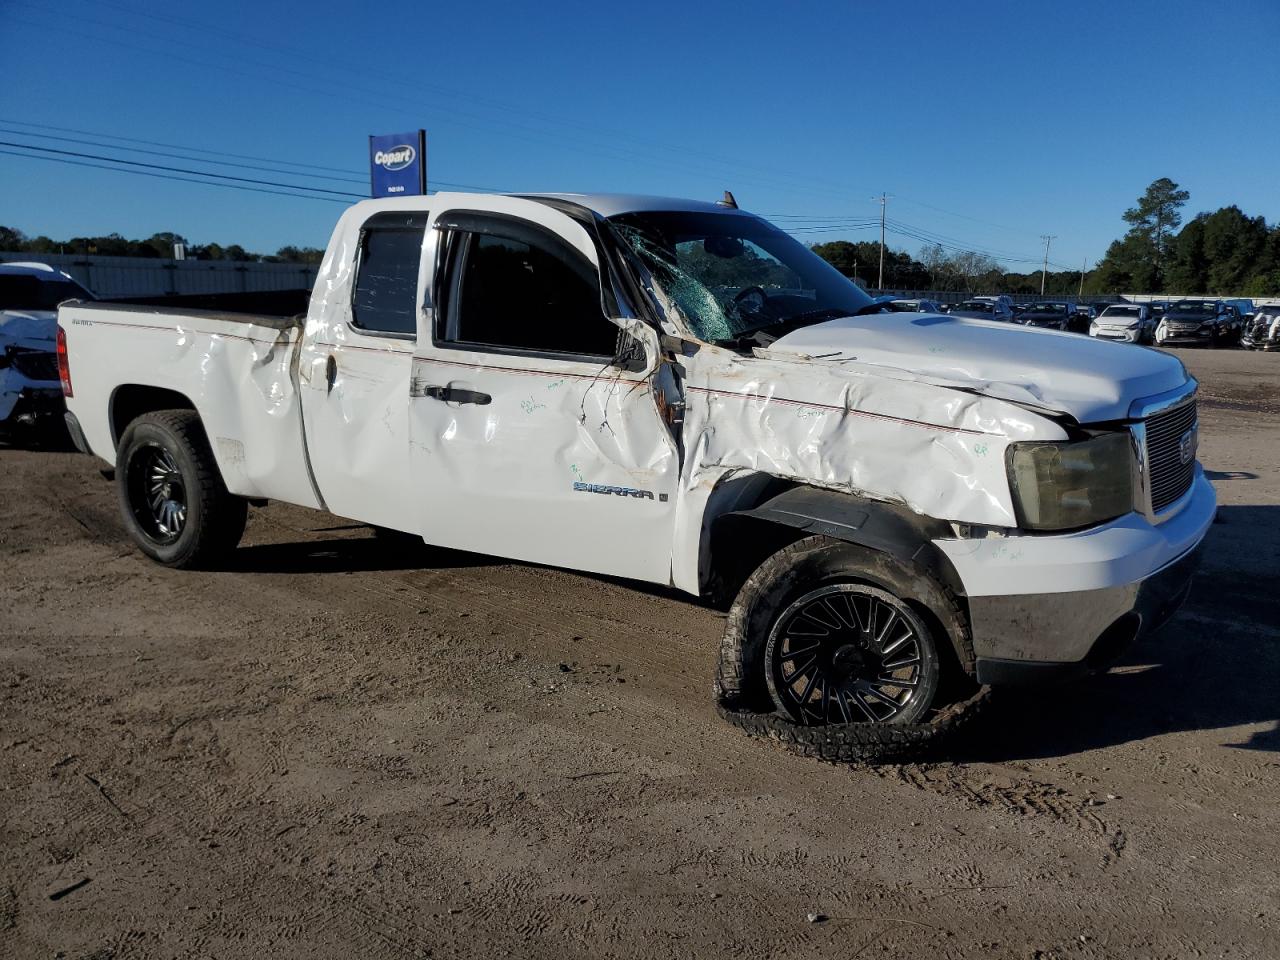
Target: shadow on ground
1213,667
350,555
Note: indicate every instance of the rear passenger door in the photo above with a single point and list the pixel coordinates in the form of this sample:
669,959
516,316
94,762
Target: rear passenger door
355,365
529,439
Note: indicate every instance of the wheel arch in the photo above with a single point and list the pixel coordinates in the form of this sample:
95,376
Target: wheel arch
740,539
129,401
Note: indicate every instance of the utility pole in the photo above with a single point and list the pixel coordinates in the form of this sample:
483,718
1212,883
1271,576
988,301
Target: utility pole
883,200
1084,267
1044,274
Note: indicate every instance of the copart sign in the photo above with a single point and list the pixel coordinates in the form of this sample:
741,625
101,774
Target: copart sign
398,164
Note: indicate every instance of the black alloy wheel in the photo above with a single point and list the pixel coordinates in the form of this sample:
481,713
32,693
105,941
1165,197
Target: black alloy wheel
157,493
849,653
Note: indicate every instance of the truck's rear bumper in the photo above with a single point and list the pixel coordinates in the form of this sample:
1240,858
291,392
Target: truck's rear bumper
1045,607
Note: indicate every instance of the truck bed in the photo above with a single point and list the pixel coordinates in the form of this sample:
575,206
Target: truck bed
278,304
237,369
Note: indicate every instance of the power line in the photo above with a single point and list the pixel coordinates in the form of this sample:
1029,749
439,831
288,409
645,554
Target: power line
1044,274
163,176
884,204
362,178
171,146
176,156
199,173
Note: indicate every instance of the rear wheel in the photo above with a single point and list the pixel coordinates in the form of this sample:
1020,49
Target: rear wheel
171,493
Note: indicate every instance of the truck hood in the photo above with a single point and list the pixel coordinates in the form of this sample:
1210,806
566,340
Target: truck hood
33,329
1087,379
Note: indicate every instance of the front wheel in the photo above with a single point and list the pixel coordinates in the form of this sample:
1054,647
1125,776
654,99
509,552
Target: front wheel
826,632
171,493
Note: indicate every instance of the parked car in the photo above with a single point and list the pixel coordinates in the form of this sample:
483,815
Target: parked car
1001,298
30,392
1127,322
1084,315
1048,315
683,394
915,306
1243,308
1208,323
1262,331
983,308
1157,310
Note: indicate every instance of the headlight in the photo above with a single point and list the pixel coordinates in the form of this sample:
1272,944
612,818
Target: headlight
1071,484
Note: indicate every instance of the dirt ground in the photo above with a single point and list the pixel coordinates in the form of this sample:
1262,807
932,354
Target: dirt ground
338,750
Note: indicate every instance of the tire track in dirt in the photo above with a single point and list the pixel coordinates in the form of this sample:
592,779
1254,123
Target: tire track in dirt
1012,794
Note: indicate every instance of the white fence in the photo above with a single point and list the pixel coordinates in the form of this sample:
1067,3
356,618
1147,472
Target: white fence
147,277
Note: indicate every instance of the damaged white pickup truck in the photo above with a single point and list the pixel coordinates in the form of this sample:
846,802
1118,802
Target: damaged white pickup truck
901,507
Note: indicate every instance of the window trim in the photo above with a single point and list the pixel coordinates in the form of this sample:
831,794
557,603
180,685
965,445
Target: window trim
453,262
386,215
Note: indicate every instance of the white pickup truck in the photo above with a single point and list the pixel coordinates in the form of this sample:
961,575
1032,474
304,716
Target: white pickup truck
901,506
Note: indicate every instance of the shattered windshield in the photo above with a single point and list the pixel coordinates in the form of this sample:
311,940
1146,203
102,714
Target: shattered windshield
731,274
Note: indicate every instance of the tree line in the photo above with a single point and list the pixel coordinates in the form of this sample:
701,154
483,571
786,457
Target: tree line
1222,252
156,246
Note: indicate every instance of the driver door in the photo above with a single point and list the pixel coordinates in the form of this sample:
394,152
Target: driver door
528,440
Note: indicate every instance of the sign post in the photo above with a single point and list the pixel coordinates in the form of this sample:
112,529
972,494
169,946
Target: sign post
398,164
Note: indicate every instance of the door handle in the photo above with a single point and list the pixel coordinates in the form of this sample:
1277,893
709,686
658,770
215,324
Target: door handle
456,395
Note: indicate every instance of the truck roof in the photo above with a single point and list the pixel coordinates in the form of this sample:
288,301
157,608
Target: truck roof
604,204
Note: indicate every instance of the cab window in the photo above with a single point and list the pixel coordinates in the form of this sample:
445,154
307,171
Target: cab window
516,287
384,298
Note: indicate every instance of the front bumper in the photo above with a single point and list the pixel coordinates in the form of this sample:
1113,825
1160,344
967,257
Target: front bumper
1259,343
1045,607
1185,336
1116,333
26,406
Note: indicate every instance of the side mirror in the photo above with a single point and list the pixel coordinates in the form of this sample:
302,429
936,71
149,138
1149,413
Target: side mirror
631,356
638,349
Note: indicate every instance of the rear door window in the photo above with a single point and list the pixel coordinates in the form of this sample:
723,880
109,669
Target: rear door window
385,296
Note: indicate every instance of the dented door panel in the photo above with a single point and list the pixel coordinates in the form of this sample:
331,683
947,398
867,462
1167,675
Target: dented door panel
541,458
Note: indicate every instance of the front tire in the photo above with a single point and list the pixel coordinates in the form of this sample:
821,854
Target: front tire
863,611
173,500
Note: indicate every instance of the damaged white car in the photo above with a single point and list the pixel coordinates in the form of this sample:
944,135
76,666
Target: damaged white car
899,507
30,393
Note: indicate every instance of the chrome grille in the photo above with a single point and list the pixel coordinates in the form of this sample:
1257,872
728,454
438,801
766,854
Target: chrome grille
1168,477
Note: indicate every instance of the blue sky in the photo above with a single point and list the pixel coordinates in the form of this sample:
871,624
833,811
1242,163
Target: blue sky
988,123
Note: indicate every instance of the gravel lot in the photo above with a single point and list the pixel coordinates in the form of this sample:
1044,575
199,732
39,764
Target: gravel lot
339,750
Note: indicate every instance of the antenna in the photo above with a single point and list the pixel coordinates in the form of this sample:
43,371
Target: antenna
728,201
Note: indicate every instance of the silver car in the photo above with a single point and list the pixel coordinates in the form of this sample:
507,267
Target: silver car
1126,322
1262,328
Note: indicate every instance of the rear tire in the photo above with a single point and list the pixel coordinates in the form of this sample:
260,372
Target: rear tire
173,500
